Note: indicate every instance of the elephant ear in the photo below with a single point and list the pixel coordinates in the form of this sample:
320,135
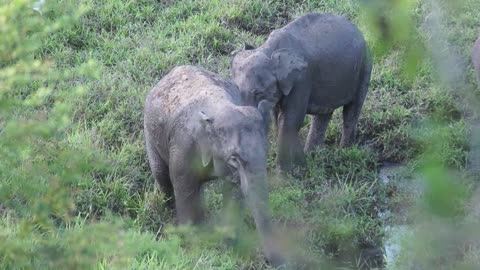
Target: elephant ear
205,151
288,67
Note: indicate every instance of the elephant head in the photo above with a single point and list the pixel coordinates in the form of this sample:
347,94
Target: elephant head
236,142
264,79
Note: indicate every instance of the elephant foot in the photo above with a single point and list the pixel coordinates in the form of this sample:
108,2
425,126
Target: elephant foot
277,261
300,159
281,174
347,140
313,155
345,144
287,166
274,255
284,168
297,172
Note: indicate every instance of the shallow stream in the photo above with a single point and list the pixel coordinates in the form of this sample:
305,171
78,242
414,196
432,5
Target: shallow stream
397,229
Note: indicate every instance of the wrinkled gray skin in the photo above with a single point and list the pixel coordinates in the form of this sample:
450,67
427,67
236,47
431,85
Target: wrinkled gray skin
476,58
195,131
312,65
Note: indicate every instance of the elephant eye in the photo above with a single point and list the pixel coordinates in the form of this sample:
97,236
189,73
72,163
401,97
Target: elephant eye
234,161
257,93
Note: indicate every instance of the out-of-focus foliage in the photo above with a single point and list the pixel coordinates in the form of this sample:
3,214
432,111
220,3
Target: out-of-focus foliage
445,230
38,168
392,26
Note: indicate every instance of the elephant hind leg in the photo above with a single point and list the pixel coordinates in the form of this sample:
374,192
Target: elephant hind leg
316,133
351,111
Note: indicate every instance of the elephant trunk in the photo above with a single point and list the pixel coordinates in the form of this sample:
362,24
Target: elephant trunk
265,107
255,190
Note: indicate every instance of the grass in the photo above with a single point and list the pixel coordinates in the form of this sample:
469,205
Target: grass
330,211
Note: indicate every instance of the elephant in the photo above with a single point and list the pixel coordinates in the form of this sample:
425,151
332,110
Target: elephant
476,58
195,131
313,65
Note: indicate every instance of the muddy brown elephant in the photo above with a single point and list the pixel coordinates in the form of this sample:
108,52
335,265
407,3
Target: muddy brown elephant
195,131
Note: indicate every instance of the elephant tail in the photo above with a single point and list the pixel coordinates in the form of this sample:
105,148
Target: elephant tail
365,74
367,67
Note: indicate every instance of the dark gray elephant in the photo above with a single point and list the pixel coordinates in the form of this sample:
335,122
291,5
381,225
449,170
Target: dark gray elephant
312,65
196,131
476,58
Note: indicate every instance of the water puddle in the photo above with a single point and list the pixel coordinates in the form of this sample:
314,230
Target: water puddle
392,243
393,173
390,171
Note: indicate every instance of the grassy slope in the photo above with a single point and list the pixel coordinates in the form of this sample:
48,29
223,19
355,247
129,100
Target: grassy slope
334,207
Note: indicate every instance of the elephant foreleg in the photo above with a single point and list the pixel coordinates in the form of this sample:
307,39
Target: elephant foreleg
290,120
187,189
160,172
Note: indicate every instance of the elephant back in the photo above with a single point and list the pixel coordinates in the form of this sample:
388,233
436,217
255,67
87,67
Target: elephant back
184,86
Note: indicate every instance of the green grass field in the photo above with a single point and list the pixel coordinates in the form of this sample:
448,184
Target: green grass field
329,214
